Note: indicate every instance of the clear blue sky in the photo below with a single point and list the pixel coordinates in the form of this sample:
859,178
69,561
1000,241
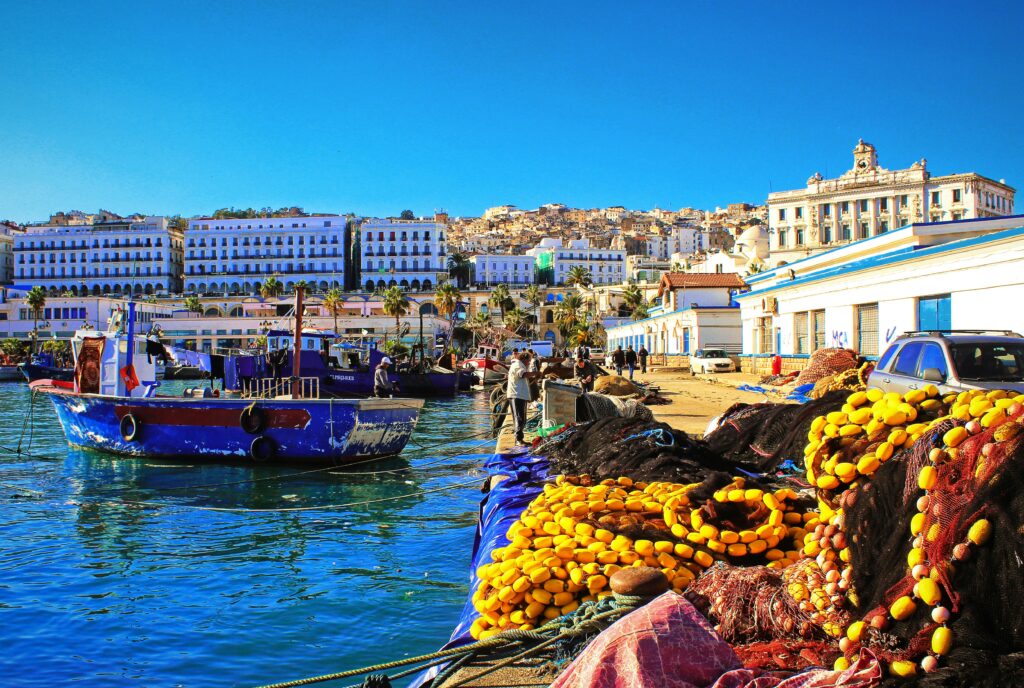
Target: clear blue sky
373,107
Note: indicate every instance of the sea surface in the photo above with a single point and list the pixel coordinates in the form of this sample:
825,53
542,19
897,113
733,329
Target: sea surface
115,572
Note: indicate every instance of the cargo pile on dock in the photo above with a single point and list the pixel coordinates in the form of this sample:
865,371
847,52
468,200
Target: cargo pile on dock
903,547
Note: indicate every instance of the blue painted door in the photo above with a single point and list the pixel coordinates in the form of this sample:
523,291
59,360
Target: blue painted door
934,313
686,340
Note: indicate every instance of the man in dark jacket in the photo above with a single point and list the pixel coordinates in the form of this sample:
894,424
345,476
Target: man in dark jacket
642,355
631,360
618,360
585,372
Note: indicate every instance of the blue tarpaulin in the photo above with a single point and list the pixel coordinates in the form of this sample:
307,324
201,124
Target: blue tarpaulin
498,510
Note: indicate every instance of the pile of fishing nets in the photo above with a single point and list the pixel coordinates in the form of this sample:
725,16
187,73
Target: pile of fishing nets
639,448
760,437
852,380
825,362
778,380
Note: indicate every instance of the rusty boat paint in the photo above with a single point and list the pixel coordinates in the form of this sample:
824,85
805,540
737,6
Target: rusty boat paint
330,431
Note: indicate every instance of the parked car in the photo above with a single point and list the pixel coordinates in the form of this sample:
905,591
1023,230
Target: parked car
711,361
952,360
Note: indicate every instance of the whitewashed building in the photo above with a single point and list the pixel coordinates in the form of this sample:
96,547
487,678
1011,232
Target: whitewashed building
7,232
140,256
869,200
690,312
235,256
967,274
490,269
411,254
555,261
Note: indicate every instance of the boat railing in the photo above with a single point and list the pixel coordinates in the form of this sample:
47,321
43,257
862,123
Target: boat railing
273,387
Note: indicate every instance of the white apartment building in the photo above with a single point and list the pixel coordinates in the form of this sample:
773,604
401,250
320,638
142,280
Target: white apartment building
7,232
409,253
235,256
490,269
683,239
141,256
555,261
869,200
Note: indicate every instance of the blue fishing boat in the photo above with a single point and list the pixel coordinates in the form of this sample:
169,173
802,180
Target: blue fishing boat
114,405
44,367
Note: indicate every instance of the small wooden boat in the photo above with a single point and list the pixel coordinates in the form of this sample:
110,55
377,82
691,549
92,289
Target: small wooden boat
487,364
113,405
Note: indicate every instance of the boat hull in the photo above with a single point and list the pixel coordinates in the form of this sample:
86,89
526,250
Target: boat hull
488,370
10,373
304,430
34,371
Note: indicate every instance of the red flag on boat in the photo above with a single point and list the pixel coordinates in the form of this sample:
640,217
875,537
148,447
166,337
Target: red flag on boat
131,380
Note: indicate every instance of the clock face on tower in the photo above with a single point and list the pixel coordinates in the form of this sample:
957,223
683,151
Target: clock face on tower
863,164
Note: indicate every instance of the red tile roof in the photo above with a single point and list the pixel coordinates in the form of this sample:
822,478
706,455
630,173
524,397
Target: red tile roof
724,280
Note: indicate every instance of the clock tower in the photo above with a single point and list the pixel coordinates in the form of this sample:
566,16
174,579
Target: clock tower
864,157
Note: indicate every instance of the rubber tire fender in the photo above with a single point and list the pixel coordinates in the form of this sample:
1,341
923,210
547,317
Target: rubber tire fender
252,420
262,449
130,427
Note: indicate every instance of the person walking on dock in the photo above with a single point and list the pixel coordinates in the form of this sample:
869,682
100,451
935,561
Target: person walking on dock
631,360
618,360
642,355
382,384
518,393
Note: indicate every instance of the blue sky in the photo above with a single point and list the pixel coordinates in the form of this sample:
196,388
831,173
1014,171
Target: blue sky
373,107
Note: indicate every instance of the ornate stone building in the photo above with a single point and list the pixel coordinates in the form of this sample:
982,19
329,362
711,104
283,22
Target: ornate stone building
869,200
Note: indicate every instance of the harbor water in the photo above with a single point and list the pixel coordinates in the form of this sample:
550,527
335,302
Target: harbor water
123,572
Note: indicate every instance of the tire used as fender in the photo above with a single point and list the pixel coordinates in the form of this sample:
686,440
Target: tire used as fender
130,427
262,449
252,420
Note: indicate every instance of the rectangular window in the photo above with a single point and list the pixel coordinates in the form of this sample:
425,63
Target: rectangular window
904,201
799,237
862,232
883,226
818,323
936,198
799,213
801,335
884,204
782,214
764,336
863,206
934,312
867,329
845,207
826,211
782,238
826,234
956,195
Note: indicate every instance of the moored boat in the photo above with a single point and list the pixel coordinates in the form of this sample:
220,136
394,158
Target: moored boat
113,405
11,373
44,367
486,362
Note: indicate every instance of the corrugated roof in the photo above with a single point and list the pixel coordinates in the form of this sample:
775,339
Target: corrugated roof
726,280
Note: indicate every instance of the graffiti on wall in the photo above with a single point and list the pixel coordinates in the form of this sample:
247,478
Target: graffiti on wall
890,334
840,339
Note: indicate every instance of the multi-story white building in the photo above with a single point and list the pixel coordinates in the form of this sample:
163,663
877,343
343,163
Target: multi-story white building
490,269
140,256
411,254
7,232
869,200
555,261
235,256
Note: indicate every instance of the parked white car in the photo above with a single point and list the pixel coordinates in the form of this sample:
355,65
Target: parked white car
711,361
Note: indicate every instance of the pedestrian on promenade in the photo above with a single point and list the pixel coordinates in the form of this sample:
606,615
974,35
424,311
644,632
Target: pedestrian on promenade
642,355
631,360
518,393
619,360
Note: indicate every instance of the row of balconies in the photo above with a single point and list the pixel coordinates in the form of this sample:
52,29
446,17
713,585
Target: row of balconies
192,243
300,270
245,255
92,275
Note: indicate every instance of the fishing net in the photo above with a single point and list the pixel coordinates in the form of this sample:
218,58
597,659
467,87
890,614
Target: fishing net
827,362
639,448
849,380
762,436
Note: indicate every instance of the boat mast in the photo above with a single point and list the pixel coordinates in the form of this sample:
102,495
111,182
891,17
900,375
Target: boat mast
297,347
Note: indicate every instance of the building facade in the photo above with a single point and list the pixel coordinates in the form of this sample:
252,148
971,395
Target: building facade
411,254
555,261
490,269
235,256
869,200
948,275
8,230
138,256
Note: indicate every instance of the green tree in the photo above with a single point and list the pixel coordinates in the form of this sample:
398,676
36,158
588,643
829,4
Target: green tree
569,314
534,295
640,311
459,268
271,287
407,215
501,297
446,299
304,285
36,301
515,320
334,302
14,348
397,304
579,276
193,304
55,346
177,222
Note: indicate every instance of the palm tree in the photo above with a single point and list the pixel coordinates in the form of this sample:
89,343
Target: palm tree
334,302
193,304
534,296
478,322
640,311
36,300
632,296
579,276
569,313
458,267
501,297
515,319
446,298
304,285
271,287
396,304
